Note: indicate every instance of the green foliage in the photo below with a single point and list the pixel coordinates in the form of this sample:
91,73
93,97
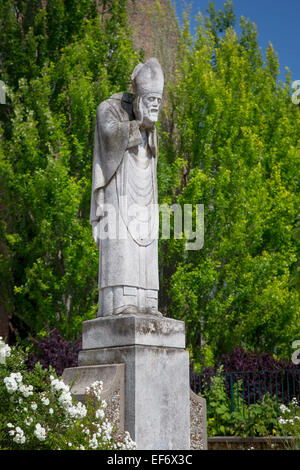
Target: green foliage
258,419
289,419
34,32
234,417
37,411
49,264
218,407
234,147
229,139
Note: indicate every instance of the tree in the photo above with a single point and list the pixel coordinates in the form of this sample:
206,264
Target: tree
235,149
229,139
49,260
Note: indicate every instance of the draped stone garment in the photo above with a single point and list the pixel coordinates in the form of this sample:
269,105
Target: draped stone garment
132,259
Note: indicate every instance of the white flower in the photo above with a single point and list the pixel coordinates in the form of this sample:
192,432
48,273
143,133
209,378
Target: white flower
106,430
17,376
95,389
45,401
107,426
128,442
28,421
65,399
78,411
40,432
58,385
4,351
104,404
93,443
33,405
100,414
19,437
10,425
81,447
51,411
284,409
26,390
10,384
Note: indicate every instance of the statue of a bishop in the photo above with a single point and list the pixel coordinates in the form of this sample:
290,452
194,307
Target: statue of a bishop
124,209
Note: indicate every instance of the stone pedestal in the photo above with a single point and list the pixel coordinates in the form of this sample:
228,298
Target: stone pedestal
113,378
157,391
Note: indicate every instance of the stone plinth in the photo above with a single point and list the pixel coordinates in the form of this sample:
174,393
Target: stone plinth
157,392
124,330
113,378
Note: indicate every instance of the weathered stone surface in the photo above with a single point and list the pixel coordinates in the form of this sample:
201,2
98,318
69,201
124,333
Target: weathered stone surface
198,422
113,378
125,330
124,209
124,217
157,393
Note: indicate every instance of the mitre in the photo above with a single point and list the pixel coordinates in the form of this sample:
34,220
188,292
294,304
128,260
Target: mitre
148,78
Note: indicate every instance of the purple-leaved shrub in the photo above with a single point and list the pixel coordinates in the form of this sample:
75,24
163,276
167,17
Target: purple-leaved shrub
54,350
258,373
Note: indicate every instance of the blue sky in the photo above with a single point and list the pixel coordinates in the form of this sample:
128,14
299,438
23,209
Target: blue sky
278,22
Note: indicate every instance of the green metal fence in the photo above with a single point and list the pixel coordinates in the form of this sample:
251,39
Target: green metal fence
247,387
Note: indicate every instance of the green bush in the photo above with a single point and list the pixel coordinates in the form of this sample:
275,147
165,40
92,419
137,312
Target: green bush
37,411
258,419
219,416
289,419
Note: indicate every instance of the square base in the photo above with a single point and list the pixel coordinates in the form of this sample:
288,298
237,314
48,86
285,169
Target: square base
157,393
126,330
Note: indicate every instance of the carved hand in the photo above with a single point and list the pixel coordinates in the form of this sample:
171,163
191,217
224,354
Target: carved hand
99,203
137,109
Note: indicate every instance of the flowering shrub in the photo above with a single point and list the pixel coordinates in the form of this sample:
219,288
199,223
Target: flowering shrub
289,419
37,410
4,351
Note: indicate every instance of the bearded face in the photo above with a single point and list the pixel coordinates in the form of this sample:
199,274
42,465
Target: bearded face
150,106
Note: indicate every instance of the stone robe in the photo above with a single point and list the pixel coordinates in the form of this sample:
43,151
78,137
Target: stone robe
124,170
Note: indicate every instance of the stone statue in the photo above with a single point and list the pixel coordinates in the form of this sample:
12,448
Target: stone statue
124,210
